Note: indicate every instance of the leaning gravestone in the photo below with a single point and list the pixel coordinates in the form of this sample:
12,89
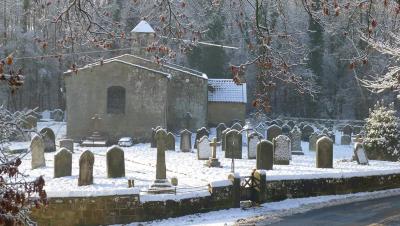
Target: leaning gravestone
68,144
233,144
153,142
37,152
221,127
201,133
186,141
252,141
86,162
295,137
347,130
170,142
324,153
49,140
345,140
273,131
306,132
286,130
282,150
265,155
62,163
237,126
115,162
223,136
203,149
360,155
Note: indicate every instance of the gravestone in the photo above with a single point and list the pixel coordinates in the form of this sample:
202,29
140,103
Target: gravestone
265,155
62,163
312,145
213,160
203,149
252,141
115,162
58,115
360,155
279,122
345,140
37,152
186,141
347,130
237,126
324,153
233,144
49,140
68,144
221,127
273,131
295,137
306,132
301,125
286,130
223,136
161,184
201,133
153,142
291,124
170,142
86,162
282,150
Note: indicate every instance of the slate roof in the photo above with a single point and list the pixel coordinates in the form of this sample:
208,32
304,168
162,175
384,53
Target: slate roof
225,90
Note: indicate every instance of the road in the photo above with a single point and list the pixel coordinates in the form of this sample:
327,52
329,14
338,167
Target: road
378,212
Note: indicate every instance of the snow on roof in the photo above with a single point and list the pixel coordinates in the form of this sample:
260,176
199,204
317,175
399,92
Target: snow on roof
225,90
143,27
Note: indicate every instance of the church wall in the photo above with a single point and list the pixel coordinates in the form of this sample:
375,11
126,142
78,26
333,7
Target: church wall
224,112
145,105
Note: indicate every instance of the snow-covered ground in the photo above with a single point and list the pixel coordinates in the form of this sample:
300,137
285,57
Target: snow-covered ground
268,212
193,176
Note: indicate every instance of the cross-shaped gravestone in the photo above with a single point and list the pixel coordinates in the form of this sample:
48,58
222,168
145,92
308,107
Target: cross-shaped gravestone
213,161
96,122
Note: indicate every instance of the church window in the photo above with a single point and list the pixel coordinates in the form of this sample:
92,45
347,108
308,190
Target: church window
116,100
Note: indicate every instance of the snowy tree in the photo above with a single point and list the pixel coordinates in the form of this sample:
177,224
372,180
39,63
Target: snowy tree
382,138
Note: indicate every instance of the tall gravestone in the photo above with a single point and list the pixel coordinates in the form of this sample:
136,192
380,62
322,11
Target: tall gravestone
221,127
49,139
68,144
115,162
306,132
265,155
252,141
203,149
295,138
233,144
201,133
170,142
86,162
324,153
273,131
62,163
282,150
186,141
37,152
223,136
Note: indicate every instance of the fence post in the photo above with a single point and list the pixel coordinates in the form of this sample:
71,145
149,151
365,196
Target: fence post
261,189
235,179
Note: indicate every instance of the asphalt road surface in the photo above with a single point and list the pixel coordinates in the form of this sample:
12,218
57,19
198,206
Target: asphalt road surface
378,212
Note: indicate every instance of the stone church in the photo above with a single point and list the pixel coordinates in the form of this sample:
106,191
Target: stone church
132,94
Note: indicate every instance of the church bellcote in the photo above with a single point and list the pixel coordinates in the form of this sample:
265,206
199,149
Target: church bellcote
142,36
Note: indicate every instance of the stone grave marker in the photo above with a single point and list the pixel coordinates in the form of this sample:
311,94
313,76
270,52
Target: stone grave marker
282,150
237,126
347,130
58,115
170,142
221,127
186,141
86,162
306,132
295,137
273,131
324,153
223,138
49,139
201,133
62,163
203,149
68,144
265,155
291,124
213,160
233,144
253,140
37,152
286,130
115,162
360,155
312,145
345,140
